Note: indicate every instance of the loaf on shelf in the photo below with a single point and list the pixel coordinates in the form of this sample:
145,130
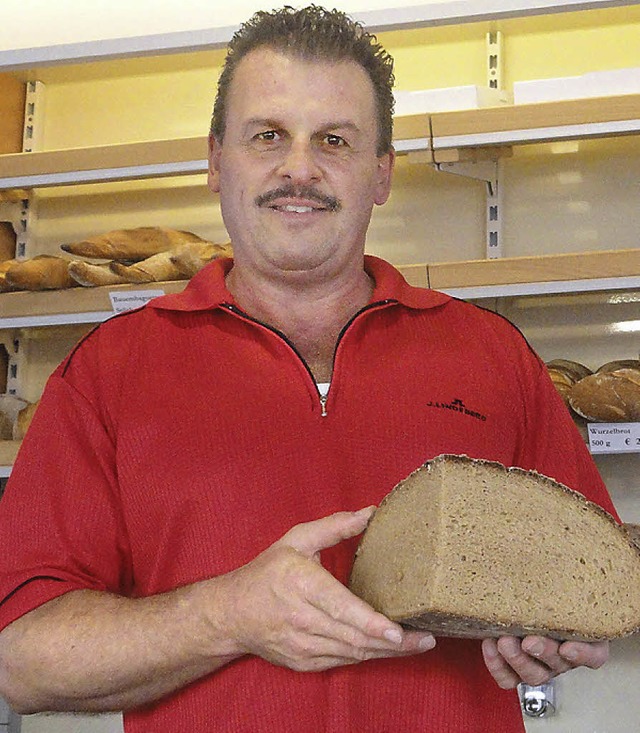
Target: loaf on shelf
44,272
175,255
130,244
91,275
175,264
454,549
564,374
610,394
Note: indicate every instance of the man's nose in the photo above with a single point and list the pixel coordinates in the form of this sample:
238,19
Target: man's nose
299,164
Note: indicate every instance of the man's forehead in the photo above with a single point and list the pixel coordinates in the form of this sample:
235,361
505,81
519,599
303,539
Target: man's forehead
275,65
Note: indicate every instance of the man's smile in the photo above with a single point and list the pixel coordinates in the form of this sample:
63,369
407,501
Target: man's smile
297,200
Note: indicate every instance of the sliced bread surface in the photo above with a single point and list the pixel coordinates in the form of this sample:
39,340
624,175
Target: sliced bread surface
464,547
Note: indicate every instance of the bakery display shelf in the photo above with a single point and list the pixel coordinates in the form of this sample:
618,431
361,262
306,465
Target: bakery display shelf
153,159
538,275
439,132
72,306
473,279
537,122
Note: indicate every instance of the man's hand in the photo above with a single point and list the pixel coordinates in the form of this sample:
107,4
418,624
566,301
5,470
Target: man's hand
285,607
535,660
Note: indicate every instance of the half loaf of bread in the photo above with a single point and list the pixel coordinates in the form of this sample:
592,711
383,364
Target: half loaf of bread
470,548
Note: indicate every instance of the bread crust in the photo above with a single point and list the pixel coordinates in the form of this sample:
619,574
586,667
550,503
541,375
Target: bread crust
130,244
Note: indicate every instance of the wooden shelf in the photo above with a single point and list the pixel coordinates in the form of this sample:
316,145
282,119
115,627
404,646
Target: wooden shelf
540,122
64,307
486,127
153,159
540,275
541,268
544,274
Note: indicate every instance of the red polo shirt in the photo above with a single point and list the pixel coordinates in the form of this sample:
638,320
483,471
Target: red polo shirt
179,440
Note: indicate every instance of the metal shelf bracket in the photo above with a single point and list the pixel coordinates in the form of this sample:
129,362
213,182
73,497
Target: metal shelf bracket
488,171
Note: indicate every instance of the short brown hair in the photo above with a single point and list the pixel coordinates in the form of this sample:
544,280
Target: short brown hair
312,33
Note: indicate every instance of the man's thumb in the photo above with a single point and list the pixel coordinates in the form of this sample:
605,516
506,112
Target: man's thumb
311,537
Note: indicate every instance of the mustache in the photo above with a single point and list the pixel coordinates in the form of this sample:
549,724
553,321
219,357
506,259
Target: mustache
303,192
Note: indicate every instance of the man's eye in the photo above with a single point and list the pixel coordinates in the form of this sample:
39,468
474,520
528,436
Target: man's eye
267,136
335,141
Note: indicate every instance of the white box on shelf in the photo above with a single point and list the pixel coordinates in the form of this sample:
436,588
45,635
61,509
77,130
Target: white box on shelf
449,99
591,84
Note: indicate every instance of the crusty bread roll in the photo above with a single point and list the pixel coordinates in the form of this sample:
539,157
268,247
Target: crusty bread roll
612,366
191,258
564,374
609,396
90,275
470,548
130,244
43,272
572,368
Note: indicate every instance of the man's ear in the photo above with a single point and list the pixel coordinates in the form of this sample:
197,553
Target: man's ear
213,173
385,173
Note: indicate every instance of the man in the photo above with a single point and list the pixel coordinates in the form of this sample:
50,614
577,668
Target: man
176,548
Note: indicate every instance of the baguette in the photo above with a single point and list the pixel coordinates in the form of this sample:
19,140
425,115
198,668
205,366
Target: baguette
156,268
456,549
89,275
43,272
130,244
191,258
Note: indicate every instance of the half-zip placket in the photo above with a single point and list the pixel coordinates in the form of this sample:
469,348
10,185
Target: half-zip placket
321,397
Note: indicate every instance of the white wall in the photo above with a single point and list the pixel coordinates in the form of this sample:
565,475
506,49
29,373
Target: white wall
35,23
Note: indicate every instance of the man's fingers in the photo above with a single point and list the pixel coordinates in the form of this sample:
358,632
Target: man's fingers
344,609
311,537
501,672
581,654
536,659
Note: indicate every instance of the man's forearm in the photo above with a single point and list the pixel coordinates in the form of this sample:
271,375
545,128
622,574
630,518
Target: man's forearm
96,652
91,651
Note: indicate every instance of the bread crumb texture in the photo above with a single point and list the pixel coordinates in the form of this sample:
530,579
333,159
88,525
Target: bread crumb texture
464,547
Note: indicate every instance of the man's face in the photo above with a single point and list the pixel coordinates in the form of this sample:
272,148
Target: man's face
297,171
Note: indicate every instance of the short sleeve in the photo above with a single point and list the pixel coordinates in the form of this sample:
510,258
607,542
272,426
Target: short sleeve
61,527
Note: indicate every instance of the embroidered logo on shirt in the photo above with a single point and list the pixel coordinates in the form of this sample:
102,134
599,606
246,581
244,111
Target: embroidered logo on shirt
457,405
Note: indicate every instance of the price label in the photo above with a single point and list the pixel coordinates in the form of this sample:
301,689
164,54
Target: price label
623,437
127,300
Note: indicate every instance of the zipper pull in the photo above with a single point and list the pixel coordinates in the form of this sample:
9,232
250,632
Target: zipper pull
323,405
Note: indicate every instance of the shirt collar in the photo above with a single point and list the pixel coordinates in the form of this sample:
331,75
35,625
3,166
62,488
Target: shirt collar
207,289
